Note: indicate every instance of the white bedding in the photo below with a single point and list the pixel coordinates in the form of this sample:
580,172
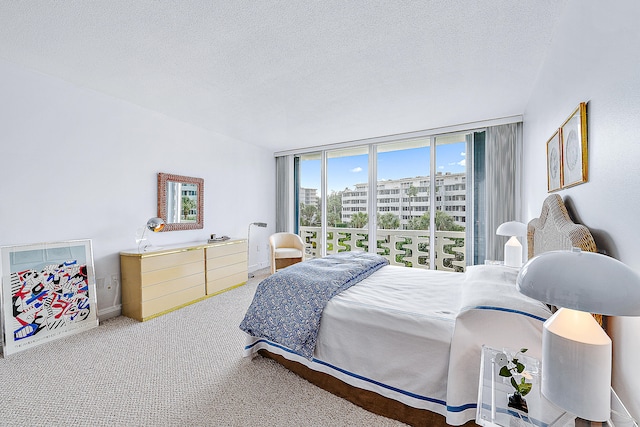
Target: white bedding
415,335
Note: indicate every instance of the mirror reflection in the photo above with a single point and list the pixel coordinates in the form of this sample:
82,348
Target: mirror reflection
180,201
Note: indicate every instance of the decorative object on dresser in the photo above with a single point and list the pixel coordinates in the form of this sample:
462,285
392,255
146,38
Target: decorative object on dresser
156,282
576,352
257,224
513,248
154,224
181,201
48,292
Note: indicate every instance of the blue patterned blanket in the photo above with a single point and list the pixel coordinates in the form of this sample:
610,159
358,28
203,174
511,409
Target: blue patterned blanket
287,306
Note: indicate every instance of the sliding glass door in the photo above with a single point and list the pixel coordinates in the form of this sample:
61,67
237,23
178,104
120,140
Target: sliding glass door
347,200
410,197
402,200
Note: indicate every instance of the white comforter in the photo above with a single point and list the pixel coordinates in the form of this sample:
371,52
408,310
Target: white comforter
415,335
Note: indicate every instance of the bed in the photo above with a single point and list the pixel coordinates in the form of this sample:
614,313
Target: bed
405,343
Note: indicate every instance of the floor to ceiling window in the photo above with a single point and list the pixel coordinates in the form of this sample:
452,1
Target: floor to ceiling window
421,200
308,173
347,200
403,202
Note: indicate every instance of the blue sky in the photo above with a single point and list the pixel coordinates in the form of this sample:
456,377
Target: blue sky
346,171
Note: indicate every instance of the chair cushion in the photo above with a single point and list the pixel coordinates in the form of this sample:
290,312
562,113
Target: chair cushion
288,253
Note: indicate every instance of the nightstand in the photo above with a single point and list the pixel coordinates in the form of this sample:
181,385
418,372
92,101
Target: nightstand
494,389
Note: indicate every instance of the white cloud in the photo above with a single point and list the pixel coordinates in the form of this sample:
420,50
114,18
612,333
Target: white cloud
463,154
462,162
356,170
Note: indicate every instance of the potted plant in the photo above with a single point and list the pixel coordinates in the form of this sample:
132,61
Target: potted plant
520,379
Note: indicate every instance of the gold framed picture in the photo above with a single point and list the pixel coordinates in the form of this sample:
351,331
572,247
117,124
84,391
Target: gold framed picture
573,140
554,163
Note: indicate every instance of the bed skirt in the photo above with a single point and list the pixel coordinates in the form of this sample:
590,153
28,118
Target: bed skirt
366,399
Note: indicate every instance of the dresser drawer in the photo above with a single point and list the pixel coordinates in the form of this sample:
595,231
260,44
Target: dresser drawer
227,270
239,258
158,262
227,249
170,272
224,283
171,286
171,301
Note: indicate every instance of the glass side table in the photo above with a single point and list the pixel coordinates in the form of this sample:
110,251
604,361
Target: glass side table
493,392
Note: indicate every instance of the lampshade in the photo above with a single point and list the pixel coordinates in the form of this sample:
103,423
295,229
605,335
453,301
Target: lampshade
585,281
576,352
155,224
512,228
513,248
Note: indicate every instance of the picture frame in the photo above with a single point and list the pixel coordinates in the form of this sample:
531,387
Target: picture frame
48,292
554,163
573,137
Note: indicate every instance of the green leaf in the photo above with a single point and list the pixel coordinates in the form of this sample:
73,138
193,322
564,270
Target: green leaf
519,367
524,388
514,383
505,372
523,350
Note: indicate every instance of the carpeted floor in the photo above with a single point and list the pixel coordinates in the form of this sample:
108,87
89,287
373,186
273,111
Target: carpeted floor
181,369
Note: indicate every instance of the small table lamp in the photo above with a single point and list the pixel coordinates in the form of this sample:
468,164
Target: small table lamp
576,352
513,248
154,224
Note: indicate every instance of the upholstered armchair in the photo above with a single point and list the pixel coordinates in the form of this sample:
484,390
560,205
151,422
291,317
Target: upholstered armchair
286,249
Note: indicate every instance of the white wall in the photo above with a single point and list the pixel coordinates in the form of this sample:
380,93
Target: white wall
79,164
594,58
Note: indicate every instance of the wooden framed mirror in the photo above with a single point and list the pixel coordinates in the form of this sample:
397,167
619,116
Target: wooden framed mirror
180,201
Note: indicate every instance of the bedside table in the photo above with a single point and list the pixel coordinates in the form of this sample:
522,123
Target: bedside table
493,391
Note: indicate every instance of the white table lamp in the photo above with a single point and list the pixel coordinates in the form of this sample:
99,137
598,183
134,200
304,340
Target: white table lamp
513,248
576,352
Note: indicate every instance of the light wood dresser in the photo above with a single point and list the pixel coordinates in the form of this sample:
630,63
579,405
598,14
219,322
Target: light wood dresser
158,281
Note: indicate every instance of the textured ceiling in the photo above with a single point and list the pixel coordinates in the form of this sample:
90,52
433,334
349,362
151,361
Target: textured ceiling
289,74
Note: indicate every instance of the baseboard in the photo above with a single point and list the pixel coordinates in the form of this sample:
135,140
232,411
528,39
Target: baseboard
258,266
109,312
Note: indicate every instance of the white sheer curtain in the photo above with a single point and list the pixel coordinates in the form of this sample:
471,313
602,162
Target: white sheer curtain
284,193
503,166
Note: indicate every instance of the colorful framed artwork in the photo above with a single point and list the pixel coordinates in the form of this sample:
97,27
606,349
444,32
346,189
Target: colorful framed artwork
554,163
48,292
573,136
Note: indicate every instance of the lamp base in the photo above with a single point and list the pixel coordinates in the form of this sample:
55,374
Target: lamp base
513,253
576,355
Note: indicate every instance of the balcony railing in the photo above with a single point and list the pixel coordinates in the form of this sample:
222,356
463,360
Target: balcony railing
409,248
